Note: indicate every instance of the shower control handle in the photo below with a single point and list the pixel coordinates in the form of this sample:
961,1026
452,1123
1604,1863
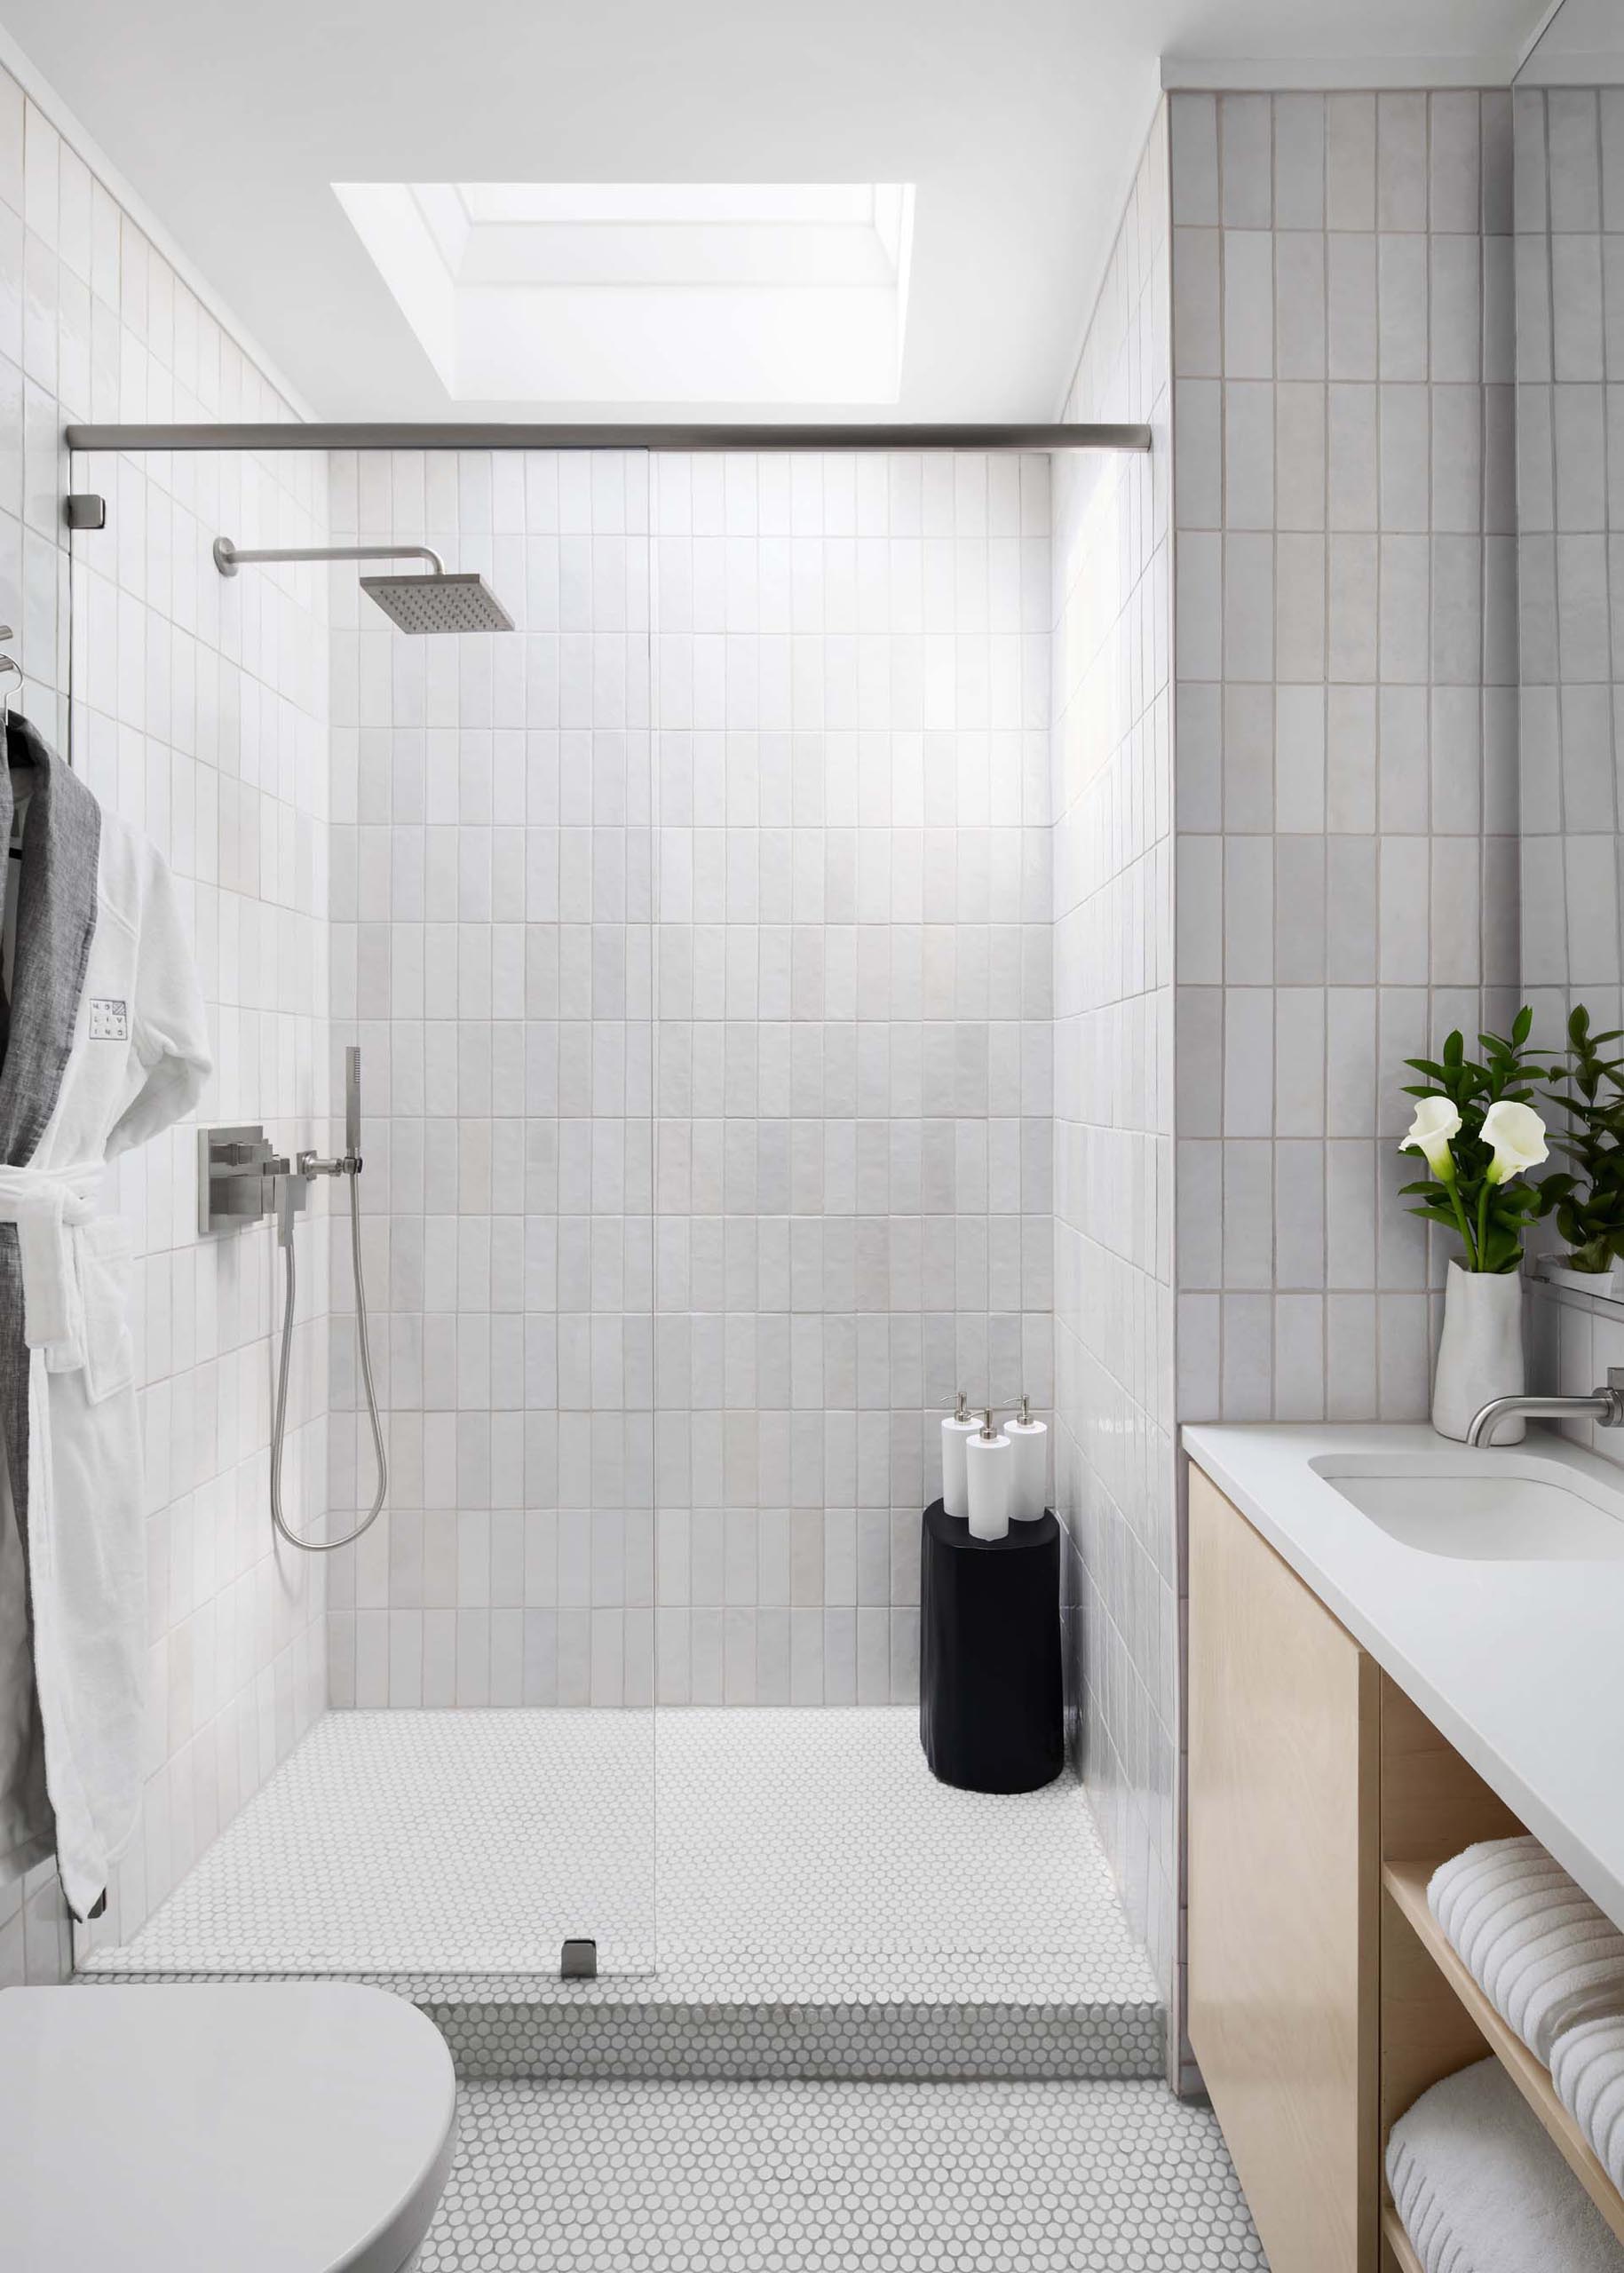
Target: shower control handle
238,1176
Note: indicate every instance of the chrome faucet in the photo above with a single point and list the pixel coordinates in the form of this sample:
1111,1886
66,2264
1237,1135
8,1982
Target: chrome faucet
1603,1406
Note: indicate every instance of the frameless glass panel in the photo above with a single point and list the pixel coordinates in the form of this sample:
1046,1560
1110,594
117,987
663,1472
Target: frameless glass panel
431,1752
853,1203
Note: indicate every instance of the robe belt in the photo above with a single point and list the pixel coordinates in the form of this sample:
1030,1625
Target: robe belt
47,1206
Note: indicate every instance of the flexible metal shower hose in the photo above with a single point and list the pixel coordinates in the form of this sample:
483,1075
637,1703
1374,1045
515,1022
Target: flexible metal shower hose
279,1425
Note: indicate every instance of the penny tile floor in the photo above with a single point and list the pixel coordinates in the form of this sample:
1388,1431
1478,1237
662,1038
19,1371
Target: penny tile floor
746,1855
833,2177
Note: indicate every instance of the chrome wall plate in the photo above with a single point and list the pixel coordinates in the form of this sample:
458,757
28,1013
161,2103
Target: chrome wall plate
578,1961
236,1176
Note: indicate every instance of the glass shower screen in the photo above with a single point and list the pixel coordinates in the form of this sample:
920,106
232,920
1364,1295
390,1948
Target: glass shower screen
431,1753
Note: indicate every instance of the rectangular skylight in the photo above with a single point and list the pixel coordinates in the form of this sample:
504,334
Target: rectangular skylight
648,292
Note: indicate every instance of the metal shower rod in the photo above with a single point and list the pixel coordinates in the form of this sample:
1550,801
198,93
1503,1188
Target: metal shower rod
475,435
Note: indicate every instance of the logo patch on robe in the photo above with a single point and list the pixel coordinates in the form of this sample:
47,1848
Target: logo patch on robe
109,1018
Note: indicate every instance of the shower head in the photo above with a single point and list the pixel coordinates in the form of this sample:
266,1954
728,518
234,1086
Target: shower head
437,601
447,602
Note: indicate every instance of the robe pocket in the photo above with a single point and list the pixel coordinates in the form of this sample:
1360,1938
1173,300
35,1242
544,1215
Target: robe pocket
107,1262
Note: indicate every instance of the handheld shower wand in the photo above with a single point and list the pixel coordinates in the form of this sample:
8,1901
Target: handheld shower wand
290,1198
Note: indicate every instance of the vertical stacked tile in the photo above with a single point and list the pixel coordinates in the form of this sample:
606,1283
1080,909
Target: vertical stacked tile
491,914
1112,788
853,1198
1345,591
1346,714
1570,306
200,713
843,1210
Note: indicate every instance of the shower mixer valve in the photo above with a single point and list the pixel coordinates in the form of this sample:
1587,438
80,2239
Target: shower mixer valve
242,1180
238,1176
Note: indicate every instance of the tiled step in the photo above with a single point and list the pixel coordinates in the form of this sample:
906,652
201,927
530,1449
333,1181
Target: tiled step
652,2038
513,2027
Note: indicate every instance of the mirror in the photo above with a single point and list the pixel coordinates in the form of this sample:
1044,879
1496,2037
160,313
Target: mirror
1568,114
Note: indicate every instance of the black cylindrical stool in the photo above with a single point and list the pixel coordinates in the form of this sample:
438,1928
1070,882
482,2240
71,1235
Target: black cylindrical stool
989,1654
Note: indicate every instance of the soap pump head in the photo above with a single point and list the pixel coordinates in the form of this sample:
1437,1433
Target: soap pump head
987,1431
1026,1410
961,1411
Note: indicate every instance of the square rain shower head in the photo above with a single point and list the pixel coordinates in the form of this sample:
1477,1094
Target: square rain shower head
452,602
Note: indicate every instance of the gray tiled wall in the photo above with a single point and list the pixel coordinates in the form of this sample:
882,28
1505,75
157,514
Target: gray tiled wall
1346,589
1570,357
698,938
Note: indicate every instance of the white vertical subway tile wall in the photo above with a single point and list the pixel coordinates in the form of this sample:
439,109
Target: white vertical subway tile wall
852,1193
493,911
699,941
1112,786
200,713
1346,669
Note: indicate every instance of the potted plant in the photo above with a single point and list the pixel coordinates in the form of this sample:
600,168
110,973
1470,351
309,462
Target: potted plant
1589,1203
1479,1134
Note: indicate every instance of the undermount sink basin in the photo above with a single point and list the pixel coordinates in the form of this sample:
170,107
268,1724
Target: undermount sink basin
1490,1507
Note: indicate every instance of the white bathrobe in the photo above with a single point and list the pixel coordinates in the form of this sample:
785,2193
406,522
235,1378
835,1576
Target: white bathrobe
107,1045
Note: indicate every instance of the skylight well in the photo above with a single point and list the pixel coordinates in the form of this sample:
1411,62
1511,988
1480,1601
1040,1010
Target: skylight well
648,292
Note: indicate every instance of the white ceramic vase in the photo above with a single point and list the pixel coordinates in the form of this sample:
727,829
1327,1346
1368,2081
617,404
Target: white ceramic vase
1480,1356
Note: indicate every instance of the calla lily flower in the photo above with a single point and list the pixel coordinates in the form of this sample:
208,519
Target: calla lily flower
1436,1123
1517,1134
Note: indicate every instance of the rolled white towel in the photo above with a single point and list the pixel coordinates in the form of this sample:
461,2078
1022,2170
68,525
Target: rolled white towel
1481,2189
1586,2067
1535,1943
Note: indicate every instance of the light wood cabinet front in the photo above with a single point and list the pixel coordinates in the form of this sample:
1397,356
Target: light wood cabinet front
1284,1890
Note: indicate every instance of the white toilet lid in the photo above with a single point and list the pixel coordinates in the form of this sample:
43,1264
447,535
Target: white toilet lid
298,2127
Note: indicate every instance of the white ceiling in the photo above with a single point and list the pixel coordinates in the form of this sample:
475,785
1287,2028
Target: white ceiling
1018,120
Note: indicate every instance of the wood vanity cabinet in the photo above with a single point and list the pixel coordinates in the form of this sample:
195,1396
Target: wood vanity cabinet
1323,2000
1283,1891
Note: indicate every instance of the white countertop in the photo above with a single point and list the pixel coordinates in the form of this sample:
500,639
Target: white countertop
1520,1664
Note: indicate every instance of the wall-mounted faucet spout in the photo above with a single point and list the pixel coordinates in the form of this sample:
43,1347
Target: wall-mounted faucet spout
1604,1407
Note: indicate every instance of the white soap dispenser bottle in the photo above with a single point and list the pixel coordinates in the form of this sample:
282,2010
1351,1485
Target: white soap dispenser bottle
957,1430
989,1460
1030,1439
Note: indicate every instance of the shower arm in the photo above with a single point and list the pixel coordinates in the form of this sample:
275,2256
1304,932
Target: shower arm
228,558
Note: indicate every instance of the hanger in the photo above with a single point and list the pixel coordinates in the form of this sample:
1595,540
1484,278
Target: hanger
11,668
